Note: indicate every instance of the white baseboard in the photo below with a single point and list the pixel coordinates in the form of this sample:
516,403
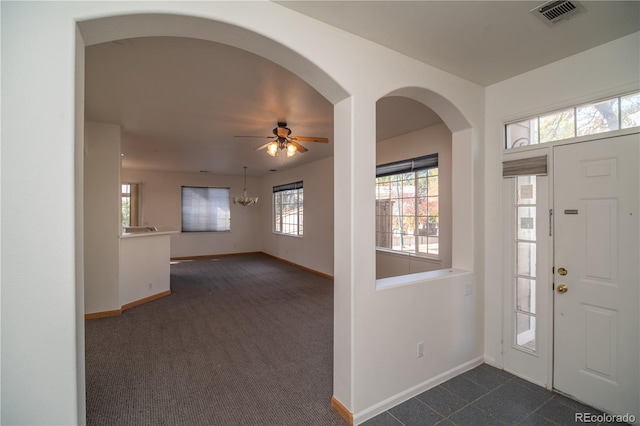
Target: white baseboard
492,362
382,406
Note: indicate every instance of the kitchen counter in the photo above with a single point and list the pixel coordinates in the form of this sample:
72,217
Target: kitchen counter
146,231
144,266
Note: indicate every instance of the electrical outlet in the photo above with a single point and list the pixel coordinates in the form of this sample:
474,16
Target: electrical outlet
420,349
150,286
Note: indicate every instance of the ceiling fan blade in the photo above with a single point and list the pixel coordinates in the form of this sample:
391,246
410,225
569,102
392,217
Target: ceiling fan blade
298,146
309,139
263,146
261,137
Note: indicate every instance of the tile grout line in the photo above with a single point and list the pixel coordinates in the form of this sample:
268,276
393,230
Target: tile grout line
475,400
444,417
395,418
547,396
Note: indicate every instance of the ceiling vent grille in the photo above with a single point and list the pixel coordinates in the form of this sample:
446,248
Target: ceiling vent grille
553,12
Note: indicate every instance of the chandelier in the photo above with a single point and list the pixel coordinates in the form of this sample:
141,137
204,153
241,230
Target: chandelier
244,200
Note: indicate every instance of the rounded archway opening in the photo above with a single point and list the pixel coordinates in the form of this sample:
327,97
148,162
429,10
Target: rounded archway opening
146,26
105,29
414,229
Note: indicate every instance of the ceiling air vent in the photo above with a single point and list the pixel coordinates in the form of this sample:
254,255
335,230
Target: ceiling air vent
553,12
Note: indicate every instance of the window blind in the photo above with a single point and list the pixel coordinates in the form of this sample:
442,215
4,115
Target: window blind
406,166
525,166
205,209
287,187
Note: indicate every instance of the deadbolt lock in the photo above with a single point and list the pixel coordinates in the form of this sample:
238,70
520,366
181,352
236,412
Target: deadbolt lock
562,271
562,288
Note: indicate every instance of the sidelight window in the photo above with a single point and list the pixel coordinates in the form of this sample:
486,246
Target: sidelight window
525,246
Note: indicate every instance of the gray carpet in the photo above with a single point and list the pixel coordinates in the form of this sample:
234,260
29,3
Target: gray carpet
243,340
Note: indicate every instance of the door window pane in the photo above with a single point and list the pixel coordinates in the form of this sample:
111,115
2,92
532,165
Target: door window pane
526,259
526,190
526,223
526,331
526,295
630,110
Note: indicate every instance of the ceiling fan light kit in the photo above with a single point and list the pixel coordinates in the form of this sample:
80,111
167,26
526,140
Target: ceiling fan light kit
282,140
244,200
272,149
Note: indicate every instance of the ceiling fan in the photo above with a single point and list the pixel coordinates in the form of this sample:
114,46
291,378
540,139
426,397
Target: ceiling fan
282,140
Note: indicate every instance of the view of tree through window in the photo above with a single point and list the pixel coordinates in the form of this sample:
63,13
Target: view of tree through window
622,112
407,207
126,205
130,204
288,209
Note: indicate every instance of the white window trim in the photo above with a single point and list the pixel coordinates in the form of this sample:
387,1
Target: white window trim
295,186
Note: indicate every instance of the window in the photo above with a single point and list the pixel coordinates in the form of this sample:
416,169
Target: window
205,209
622,112
130,204
288,209
407,217
524,246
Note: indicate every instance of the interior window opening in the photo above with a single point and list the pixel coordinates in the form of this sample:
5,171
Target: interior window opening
407,206
413,189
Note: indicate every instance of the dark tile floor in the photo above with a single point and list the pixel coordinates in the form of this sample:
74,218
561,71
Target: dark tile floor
485,396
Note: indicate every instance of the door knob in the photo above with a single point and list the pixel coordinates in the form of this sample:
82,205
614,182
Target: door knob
562,271
562,288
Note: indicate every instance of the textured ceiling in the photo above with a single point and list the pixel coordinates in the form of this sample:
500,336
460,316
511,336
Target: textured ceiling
181,101
481,41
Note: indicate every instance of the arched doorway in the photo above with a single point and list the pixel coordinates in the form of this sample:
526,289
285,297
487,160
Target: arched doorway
108,29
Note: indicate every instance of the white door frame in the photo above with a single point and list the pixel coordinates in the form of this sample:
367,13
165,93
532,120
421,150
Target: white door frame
534,366
509,220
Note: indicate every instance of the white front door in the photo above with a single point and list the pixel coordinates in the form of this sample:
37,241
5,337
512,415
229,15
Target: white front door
597,270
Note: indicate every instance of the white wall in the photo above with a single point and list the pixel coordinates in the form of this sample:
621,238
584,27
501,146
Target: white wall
434,309
101,216
39,359
314,250
429,140
144,267
251,227
39,64
161,207
604,71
